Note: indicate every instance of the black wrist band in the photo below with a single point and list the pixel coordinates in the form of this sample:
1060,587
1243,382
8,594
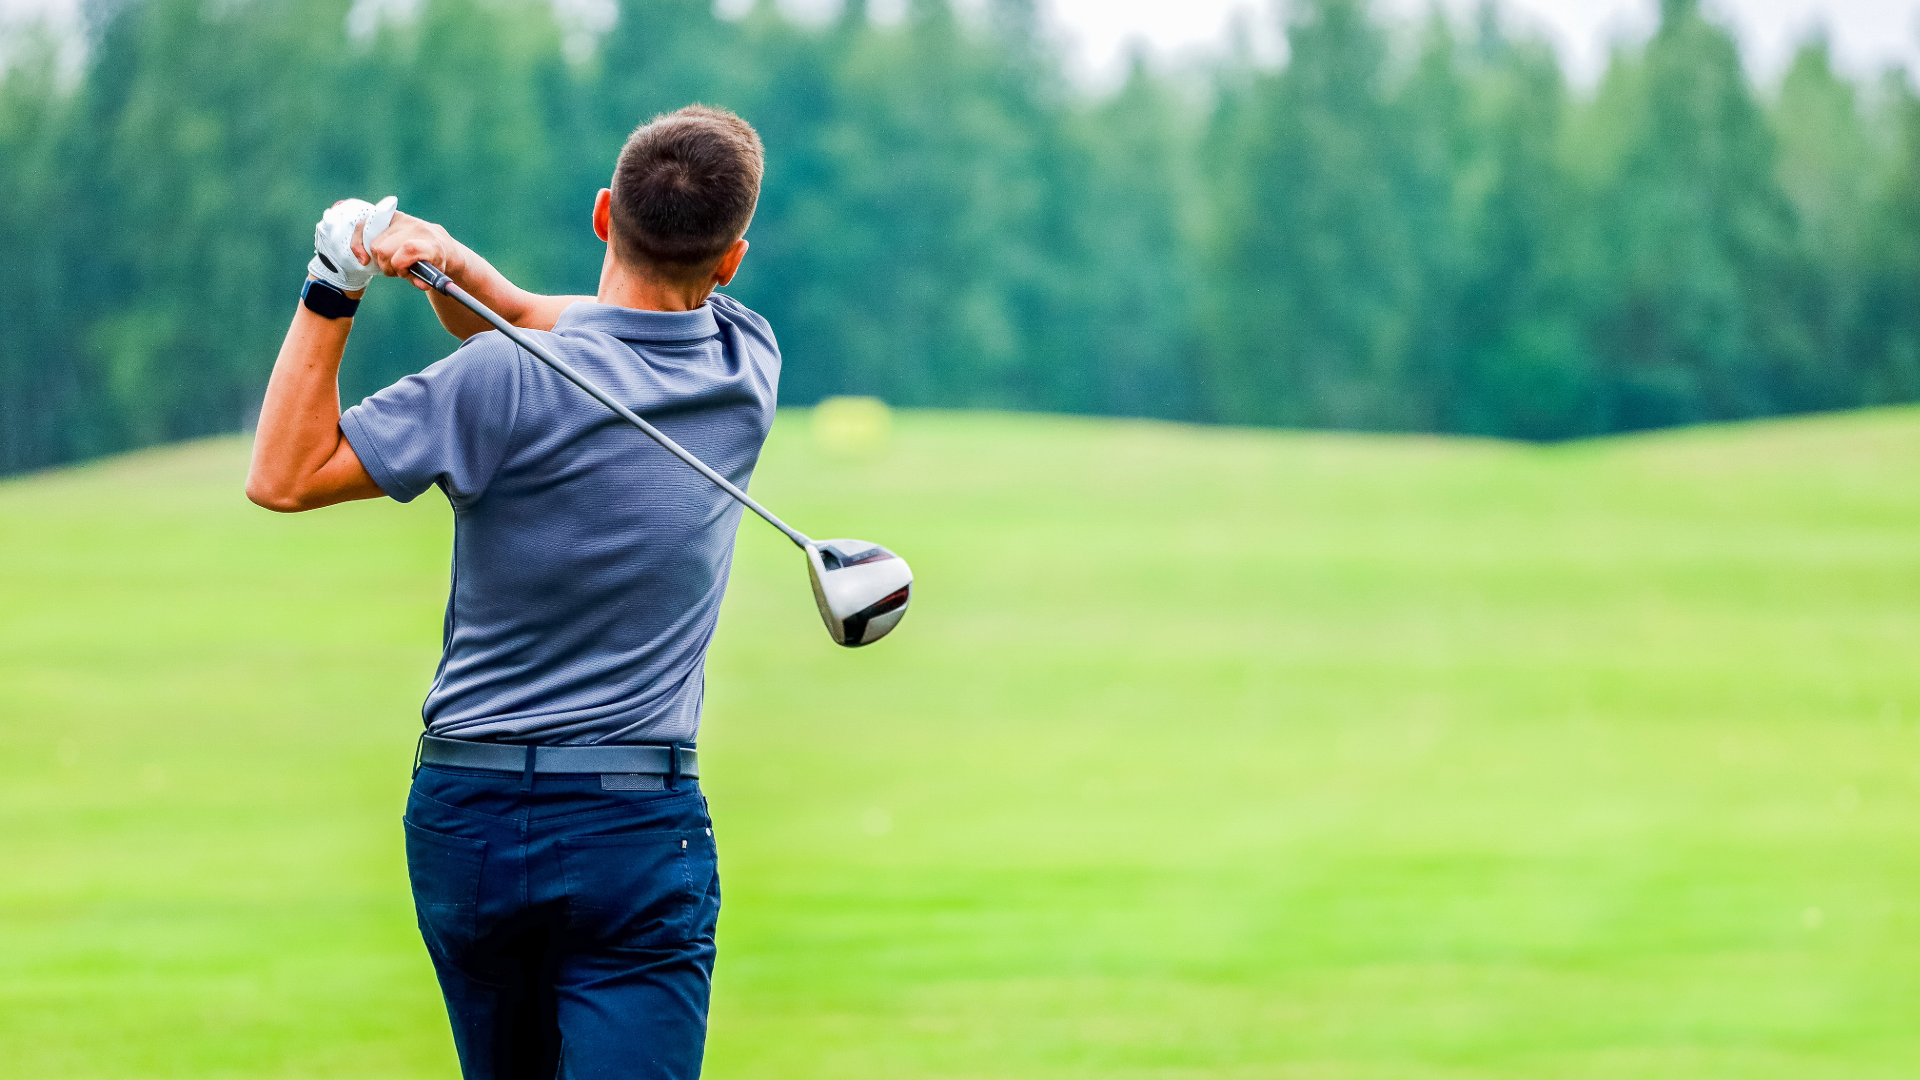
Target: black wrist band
324,300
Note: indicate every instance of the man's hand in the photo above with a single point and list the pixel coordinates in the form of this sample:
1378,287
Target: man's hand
409,240
338,257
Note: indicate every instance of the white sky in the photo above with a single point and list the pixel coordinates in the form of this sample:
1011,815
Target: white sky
1867,34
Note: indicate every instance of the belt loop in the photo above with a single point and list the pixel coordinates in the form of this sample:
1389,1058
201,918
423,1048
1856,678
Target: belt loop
526,778
673,766
419,747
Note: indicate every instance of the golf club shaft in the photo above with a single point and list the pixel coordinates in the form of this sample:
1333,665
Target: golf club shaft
431,274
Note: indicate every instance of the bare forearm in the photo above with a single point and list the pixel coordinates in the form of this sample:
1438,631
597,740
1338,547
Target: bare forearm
455,317
489,286
300,460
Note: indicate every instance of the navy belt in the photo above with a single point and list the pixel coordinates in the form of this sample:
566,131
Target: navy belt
672,761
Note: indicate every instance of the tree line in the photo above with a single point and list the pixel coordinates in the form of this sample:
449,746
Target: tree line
1418,227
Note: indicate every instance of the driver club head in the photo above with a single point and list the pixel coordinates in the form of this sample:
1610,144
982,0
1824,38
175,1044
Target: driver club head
862,589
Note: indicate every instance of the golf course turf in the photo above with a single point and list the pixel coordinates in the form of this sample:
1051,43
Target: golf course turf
1203,753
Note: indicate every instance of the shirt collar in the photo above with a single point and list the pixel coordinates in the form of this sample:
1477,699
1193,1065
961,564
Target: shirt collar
632,324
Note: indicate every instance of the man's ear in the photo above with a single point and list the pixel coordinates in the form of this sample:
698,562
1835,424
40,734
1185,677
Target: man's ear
730,262
603,215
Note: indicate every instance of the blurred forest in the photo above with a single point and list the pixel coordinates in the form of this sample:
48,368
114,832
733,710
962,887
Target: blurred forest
1414,227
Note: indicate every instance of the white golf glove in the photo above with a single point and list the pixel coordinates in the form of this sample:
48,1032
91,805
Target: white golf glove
333,259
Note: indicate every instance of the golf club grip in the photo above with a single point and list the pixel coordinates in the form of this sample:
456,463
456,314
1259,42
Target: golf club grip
442,283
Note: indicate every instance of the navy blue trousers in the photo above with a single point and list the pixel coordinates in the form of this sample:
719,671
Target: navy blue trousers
571,927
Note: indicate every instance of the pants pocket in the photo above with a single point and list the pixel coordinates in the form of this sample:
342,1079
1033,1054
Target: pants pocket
639,889
445,872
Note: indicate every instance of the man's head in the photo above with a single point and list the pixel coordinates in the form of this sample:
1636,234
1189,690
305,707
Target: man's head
683,193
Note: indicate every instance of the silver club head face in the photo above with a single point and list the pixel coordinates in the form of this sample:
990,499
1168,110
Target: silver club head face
862,589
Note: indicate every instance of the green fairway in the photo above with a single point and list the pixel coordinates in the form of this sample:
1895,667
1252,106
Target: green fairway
1204,753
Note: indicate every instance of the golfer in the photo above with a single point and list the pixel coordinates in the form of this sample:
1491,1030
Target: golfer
561,856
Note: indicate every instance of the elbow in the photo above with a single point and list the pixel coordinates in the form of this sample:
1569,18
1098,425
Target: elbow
275,499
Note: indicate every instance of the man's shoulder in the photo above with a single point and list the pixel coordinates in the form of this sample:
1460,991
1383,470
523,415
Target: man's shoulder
490,358
727,309
762,349
488,346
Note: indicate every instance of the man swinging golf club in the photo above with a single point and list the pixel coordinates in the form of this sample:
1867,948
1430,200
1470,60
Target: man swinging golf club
561,856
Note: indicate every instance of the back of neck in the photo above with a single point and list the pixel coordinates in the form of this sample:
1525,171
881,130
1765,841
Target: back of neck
624,288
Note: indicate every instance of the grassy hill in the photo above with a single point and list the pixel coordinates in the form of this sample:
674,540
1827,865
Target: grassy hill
1204,753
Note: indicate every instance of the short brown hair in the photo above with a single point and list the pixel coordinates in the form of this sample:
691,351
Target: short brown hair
685,187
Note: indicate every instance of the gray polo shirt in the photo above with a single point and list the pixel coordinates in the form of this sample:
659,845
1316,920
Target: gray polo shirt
588,563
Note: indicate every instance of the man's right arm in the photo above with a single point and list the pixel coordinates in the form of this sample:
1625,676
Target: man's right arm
409,240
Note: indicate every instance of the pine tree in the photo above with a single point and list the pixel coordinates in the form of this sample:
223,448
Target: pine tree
1308,323
1694,239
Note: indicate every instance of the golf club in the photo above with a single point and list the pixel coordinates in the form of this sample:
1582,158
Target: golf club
862,589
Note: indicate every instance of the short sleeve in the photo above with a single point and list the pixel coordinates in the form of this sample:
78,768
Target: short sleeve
449,425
